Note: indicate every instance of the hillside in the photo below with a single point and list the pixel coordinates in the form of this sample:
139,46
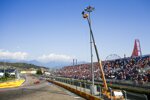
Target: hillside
19,65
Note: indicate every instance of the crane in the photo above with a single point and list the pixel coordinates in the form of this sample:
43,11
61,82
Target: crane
108,93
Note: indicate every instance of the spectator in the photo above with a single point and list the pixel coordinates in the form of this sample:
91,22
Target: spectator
121,69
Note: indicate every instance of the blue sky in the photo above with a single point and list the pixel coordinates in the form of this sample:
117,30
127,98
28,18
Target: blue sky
47,29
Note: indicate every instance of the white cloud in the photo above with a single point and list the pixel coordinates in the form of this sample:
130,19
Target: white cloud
54,57
13,55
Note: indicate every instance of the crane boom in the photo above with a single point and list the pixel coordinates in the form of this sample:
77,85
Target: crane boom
97,55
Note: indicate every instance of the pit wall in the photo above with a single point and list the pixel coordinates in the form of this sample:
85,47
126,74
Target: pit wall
80,93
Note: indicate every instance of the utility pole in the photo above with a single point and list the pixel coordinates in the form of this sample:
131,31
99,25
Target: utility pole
89,9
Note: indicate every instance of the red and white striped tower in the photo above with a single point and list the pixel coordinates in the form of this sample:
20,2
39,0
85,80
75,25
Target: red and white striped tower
137,49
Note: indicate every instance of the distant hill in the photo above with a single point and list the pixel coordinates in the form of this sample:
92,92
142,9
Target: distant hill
35,63
54,64
20,65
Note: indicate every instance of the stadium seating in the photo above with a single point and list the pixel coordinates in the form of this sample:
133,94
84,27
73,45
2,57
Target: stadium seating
132,68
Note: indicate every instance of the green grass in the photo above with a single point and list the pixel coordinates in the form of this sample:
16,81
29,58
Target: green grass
4,79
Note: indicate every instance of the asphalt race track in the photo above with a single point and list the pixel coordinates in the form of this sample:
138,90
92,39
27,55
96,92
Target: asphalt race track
41,91
46,91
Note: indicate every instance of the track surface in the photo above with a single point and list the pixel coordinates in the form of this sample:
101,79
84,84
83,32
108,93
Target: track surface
46,91
41,91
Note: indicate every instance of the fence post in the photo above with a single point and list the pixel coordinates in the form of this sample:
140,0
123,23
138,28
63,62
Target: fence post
100,91
125,94
76,85
80,85
145,97
84,87
111,94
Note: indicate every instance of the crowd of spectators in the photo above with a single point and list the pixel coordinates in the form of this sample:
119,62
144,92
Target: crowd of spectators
136,69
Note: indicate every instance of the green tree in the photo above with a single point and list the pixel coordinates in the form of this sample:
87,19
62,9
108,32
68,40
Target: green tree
39,72
7,75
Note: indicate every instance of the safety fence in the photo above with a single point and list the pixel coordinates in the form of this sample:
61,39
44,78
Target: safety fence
76,91
84,86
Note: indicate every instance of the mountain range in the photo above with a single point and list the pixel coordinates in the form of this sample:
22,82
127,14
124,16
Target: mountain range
50,64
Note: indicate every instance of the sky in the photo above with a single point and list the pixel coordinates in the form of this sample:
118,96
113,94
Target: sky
47,30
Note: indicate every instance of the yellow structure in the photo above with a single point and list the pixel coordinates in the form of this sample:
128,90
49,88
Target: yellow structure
15,83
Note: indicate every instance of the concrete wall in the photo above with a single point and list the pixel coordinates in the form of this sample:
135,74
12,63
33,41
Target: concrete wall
80,93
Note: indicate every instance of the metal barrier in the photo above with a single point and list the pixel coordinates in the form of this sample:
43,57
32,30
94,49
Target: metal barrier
86,86
76,91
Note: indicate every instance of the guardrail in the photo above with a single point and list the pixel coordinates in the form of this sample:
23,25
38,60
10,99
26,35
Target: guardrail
127,88
78,92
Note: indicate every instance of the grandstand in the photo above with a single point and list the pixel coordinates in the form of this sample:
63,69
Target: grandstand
120,73
135,69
